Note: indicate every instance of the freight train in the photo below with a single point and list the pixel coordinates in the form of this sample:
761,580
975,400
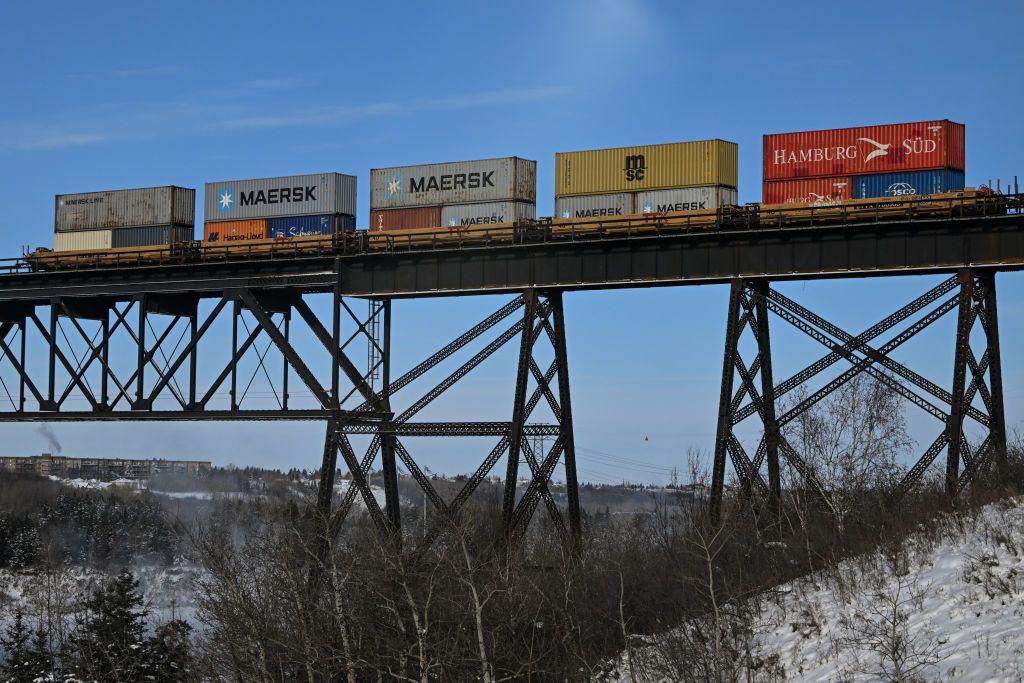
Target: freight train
850,175
967,202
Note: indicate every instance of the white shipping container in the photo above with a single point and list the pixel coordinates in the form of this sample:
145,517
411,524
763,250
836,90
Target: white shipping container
298,195
594,205
81,240
459,182
685,199
486,213
140,207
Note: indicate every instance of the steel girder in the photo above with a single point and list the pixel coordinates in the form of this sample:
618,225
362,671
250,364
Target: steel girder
542,318
973,296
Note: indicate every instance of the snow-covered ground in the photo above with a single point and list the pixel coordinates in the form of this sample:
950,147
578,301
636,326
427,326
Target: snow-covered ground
950,605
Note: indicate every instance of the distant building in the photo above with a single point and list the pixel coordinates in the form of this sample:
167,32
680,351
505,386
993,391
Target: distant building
48,464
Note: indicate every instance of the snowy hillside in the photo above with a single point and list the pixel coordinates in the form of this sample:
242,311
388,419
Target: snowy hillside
948,605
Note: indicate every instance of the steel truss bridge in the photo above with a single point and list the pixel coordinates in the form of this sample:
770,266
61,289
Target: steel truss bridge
187,340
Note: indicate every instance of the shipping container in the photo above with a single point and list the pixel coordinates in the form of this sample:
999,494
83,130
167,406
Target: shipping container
234,231
868,149
299,195
906,184
168,205
459,182
406,219
595,205
464,215
647,167
685,199
305,226
80,240
151,236
815,191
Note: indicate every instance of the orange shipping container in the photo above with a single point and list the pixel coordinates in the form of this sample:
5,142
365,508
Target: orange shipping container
235,231
807,191
406,219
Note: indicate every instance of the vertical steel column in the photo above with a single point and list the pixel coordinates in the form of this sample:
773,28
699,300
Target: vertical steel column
21,384
236,310
193,359
336,335
105,360
52,393
771,425
140,383
325,492
387,442
565,427
284,360
732,330
955,427
519,407
997,426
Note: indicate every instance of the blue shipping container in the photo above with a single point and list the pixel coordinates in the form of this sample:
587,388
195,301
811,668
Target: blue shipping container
303,226
905,184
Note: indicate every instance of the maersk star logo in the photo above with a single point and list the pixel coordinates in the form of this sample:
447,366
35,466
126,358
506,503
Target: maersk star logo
393,186
880,150
648,208
566,214
452,222
226,200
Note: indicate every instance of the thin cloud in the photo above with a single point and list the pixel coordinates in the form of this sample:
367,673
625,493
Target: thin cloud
145,72
44,139
332,115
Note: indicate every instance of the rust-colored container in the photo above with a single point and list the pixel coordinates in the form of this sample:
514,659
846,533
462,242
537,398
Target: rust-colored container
868,149
807,191
235,231
406,219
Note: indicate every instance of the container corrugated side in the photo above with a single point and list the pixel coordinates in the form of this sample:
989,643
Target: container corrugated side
464,215
867,149
234,231
81,240
807,191
300,195
595,205
646,167
168,205
406,219
307,226
685,199
151,235
906,184
459,182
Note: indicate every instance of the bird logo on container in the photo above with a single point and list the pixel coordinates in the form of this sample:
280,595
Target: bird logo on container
392,186
226,201
901,190
880,150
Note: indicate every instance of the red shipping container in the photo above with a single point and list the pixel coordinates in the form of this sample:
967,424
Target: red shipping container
807,191
408,219
868,149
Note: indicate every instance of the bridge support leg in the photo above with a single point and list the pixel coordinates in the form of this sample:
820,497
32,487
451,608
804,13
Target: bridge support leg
388,464
519,407
565,423
724,430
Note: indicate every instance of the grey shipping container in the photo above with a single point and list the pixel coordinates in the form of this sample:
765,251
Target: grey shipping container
685,199
298,195
151,235
125,208
594,205
459,182
486,212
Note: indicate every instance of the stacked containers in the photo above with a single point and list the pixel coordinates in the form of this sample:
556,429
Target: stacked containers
678,176
124,218
456,194
827,166
280,208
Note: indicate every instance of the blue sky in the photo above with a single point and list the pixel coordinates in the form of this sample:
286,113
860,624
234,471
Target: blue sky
125,94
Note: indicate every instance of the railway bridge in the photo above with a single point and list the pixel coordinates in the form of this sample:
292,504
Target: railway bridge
184,340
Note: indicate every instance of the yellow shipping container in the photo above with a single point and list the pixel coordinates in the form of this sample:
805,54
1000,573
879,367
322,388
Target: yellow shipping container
646,167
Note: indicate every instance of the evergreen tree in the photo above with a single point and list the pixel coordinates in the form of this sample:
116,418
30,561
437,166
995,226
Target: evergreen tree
28,655
169,654
109,642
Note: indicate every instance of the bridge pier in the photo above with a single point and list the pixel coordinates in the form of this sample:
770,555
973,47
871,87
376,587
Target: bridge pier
971,292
